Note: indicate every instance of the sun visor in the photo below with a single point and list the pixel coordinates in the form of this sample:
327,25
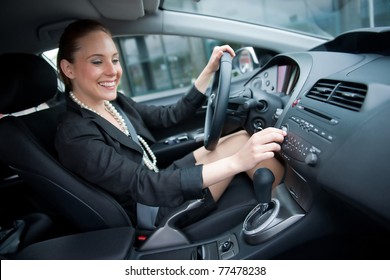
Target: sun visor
124,9
151,6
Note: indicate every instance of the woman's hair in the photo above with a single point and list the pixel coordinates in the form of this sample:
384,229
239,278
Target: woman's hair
69,42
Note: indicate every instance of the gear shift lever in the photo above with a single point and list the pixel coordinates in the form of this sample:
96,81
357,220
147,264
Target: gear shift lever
267,218
264,213
263,179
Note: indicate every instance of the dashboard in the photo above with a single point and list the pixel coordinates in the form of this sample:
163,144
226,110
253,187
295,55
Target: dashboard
277,79
335,106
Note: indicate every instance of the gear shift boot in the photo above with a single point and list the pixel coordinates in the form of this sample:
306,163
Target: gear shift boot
258,220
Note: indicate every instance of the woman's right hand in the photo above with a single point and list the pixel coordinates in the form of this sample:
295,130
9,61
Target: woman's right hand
260,146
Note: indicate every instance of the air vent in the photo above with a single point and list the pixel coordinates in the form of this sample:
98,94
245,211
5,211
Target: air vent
343,94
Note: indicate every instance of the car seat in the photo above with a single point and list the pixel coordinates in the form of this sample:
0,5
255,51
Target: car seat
27,146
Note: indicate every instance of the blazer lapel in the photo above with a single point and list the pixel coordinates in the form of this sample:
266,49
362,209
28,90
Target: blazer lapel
116,133
109,128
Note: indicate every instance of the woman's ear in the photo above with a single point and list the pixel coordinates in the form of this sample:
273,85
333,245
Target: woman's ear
67,68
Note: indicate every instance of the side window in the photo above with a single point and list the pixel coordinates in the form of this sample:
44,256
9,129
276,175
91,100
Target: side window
156,63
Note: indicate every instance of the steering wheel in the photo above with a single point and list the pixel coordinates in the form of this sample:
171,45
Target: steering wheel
217,102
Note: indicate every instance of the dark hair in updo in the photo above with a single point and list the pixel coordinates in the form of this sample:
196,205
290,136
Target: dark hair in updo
69,42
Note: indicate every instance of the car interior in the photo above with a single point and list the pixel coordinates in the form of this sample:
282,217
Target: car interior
332,100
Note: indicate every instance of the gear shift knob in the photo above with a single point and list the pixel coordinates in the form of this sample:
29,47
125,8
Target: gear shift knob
263,178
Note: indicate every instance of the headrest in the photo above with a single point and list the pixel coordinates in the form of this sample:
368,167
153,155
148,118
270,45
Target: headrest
26,81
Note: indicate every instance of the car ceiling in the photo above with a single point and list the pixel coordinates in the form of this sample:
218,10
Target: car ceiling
37,24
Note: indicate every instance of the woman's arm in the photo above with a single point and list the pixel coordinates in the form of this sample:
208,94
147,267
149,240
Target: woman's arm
95,155
261,146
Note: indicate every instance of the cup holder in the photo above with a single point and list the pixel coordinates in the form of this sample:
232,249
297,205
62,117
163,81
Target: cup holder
258,220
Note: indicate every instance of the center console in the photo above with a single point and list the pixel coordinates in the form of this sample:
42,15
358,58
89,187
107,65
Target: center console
262,224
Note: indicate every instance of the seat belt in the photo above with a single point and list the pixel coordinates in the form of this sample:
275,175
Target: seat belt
146,215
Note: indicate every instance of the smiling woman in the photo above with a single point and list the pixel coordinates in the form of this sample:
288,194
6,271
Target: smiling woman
89,64
83,64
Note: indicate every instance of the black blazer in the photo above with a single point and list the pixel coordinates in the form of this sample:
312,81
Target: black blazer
96,150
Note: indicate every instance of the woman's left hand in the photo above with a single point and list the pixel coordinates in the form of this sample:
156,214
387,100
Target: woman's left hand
213,64
204,78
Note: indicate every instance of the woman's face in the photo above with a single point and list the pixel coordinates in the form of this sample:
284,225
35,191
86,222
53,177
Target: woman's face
95,72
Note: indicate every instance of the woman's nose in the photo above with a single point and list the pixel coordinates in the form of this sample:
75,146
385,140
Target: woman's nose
111,69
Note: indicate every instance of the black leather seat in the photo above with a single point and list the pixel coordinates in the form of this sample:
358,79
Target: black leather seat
26,145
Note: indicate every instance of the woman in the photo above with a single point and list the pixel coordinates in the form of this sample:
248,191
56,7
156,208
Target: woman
96,142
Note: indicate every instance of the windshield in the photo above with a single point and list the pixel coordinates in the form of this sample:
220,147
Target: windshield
322,18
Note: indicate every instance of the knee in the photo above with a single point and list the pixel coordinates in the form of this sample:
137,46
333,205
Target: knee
241,136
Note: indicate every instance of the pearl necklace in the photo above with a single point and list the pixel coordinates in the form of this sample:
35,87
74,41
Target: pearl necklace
148,157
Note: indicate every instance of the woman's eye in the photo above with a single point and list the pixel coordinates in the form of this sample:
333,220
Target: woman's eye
96,62
115,61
